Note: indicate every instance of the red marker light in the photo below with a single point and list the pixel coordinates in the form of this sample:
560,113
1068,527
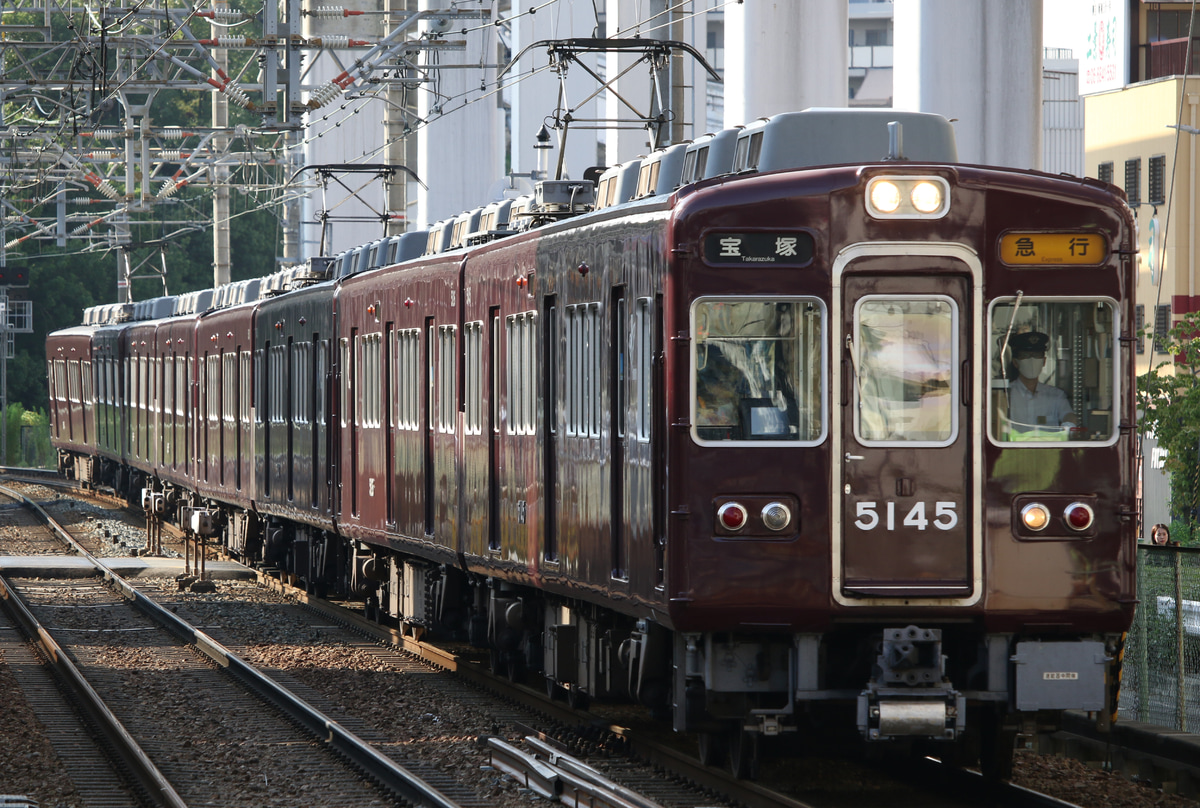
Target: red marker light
1079,516
732,516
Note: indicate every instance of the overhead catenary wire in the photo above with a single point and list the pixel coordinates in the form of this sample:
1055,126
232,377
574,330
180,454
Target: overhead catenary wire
447,104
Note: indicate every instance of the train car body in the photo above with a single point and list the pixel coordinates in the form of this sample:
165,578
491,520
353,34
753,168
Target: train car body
72,402
223,438
847,445
291,518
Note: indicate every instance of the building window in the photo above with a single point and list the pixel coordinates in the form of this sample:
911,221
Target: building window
1158,170
1139,315
1105,174
1162,324
1133,181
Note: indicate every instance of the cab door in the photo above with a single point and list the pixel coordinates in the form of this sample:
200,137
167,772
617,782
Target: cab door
906,431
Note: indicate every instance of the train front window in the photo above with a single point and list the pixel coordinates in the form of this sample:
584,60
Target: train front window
1052,370
757,370
905,355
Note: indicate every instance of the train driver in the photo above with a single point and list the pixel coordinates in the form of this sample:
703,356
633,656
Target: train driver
1031,403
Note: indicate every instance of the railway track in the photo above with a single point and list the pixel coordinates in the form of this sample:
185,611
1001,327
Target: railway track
664,771
180,721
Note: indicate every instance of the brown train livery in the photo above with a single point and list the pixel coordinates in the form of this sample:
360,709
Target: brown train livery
803,423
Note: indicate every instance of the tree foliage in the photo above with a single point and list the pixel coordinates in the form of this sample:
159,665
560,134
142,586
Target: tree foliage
1169,399
62,284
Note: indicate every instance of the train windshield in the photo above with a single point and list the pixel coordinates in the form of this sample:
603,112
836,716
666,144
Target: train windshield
757,370
1052,370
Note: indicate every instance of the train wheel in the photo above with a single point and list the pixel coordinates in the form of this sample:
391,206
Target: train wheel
743,754
515,667
553,691
713,748
577,699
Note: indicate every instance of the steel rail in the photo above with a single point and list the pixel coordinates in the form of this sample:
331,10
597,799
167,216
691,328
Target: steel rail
326,730
145,774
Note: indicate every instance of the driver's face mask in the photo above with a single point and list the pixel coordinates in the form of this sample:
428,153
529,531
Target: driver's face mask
1031,367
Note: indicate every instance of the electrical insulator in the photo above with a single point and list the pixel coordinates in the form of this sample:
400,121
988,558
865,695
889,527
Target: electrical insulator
237,95
323,95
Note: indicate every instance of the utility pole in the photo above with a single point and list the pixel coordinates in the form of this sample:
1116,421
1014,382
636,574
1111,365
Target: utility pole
220,123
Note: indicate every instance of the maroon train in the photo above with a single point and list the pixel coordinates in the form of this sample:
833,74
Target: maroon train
744,439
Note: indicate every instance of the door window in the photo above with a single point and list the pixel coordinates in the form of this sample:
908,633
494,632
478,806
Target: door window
905,355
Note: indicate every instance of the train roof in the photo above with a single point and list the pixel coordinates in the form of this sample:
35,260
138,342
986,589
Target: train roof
108,314
821,137
791,140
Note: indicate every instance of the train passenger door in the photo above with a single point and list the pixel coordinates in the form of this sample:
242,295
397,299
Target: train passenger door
907,436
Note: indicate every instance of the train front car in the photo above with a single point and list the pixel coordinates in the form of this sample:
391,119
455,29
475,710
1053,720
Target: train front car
901,472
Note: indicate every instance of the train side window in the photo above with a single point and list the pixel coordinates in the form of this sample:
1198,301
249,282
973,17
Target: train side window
229,387
1052,370
758,370
473,377
408,378
243,389
522,392
369,371
261,392
906,370
447,357
347,382
168,385
644,370
213,369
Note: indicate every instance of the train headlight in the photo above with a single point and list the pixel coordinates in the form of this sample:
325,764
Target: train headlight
1035,516
732,516
926,197
885,196
908,197
1079,516
776,516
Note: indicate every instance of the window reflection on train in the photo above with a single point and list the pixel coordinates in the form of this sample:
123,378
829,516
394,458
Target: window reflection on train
757,370
1078,357
905,355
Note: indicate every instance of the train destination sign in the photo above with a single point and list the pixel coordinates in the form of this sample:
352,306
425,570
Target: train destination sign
788,247
1053,248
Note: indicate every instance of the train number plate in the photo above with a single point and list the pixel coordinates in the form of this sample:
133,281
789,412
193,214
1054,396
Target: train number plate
921,515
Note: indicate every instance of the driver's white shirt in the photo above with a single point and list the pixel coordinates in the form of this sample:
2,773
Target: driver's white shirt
1045,406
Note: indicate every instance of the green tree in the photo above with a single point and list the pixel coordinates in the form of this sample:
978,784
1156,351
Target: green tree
1169,398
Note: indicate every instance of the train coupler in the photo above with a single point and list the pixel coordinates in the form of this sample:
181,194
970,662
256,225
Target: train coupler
893,713
908,695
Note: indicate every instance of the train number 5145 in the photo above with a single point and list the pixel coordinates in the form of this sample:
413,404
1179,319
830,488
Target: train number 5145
945,515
